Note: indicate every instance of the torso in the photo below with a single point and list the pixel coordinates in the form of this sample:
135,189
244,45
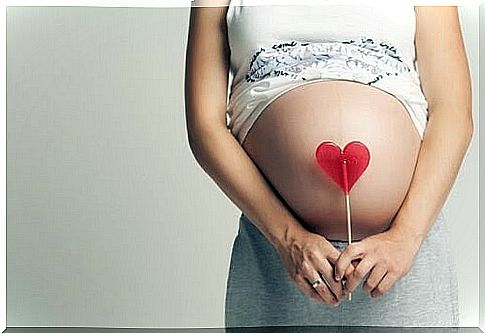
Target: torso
283,140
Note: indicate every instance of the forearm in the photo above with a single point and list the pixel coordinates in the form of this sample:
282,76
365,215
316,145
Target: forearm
224,160
442,151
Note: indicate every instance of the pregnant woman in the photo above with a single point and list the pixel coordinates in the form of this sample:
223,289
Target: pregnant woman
265,84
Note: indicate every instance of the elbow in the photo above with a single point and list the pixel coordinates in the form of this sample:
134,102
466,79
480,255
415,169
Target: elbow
195,132
463,130
468,128
469,131
196,149
194,142
461,124
200,139
466,131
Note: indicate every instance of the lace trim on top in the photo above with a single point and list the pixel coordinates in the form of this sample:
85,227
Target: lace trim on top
363,60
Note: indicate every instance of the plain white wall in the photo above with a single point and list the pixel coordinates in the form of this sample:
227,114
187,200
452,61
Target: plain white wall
110,220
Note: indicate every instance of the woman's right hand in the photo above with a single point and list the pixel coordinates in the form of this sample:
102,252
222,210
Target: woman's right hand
308,257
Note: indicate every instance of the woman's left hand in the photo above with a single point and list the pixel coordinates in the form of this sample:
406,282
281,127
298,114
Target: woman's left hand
386,256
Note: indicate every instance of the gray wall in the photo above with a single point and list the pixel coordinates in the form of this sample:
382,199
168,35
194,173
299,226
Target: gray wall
482,203
110,221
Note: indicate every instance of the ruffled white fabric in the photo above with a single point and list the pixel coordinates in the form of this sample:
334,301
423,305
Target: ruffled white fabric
277,69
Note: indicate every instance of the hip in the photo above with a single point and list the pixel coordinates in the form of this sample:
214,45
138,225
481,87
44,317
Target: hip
260,292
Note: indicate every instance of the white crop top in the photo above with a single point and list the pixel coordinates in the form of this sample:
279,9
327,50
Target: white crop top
275,48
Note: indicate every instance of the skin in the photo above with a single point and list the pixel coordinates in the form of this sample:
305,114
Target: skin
282,144
446,83
385,255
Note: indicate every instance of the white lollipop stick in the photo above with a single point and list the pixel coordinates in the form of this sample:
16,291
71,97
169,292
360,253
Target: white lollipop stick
347,206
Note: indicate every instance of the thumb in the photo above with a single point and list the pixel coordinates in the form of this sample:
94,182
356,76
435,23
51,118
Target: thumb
350,268
333,255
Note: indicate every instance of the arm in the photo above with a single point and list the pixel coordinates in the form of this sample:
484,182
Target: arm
445,81
214,147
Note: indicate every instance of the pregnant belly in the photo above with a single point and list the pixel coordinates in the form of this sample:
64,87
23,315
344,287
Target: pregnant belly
283,140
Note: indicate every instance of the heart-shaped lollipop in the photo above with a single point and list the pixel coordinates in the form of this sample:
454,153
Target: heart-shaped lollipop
331,158
344,168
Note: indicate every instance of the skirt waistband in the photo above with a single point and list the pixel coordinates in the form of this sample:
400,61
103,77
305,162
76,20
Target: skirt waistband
247,227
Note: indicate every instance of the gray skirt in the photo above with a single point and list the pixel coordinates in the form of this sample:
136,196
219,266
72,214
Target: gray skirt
260,292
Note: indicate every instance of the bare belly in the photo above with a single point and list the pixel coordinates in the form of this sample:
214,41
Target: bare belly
283,140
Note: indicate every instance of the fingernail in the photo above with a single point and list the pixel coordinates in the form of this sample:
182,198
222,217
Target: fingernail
337,278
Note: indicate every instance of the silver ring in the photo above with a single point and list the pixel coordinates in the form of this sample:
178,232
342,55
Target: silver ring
320,280
316,283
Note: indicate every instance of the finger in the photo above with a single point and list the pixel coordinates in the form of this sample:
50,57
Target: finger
358,274
332,254
349,271
386,283
307,289
351,268
374,278
352,251
312,275
325,269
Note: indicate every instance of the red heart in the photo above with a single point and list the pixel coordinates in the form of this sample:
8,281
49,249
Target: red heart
331,159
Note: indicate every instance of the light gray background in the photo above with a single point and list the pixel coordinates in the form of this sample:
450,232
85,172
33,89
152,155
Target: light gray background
110,220
481,102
